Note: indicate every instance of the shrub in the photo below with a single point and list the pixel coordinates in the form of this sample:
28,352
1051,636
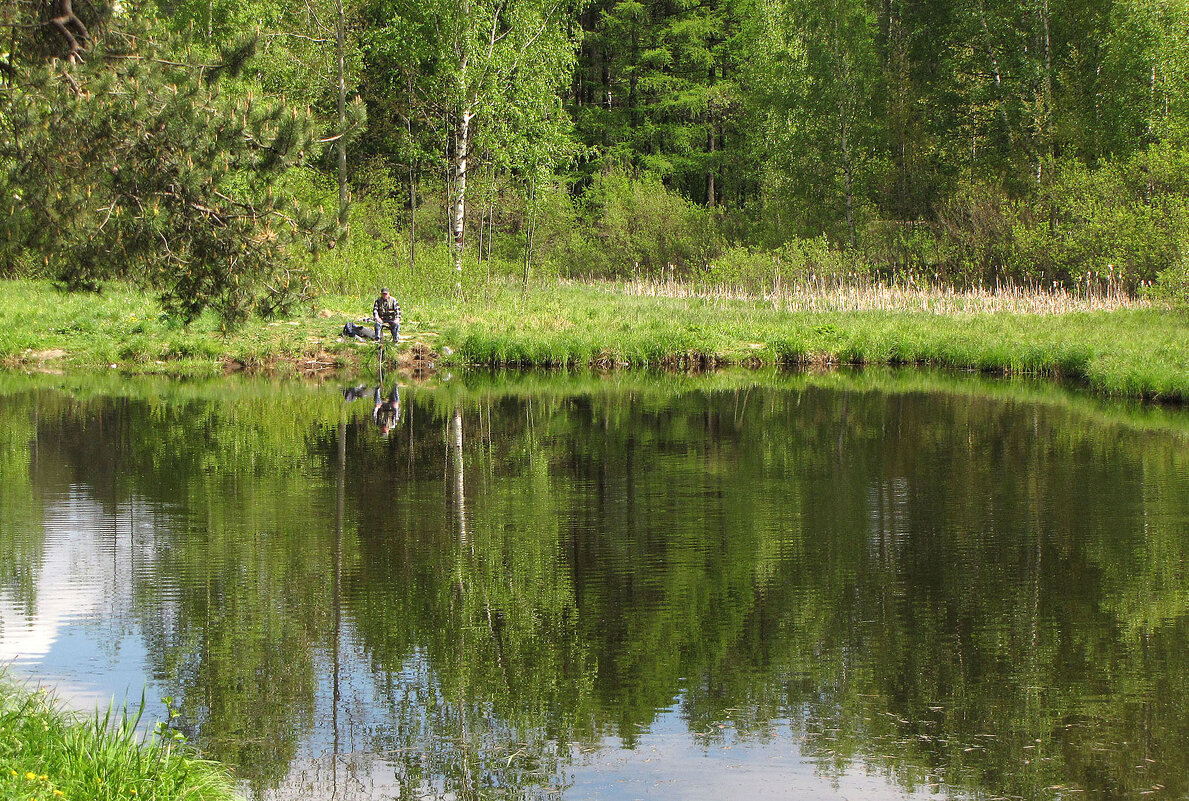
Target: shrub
639,228
796,261
1173,285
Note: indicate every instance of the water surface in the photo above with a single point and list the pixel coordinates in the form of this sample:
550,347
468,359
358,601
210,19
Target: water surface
614,588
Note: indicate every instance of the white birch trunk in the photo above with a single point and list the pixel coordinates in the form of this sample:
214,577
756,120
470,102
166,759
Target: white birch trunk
530,229
459,485
1046,122
462,142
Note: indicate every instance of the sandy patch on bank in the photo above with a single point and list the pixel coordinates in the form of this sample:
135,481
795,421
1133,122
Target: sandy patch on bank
34,360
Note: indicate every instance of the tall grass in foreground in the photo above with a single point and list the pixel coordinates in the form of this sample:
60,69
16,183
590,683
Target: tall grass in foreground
866,293
48,753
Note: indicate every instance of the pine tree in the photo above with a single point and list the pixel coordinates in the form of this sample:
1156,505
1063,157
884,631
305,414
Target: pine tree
122,160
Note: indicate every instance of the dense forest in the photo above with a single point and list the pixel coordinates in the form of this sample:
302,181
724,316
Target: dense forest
958,141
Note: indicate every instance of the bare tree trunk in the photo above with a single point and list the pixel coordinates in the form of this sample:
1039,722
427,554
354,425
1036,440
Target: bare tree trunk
897,72
1152,97
412,187
1045,151
530,229
64,20
847,175
842,77
448,196
1048,65
340,35
7,68
490,226
492,189
711,190
462,142
710,124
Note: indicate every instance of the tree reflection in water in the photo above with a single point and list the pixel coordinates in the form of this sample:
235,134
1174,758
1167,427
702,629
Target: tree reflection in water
976,591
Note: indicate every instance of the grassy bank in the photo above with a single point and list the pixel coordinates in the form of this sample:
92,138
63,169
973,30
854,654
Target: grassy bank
1118,349
47,753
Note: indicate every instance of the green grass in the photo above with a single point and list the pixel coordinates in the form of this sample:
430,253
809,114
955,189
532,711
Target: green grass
47,753
42,327
1134,352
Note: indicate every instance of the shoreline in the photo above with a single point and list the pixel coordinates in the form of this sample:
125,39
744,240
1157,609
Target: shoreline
1132,353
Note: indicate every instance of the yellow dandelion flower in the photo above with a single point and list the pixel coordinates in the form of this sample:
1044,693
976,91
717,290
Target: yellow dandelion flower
59,793
43,777
31,776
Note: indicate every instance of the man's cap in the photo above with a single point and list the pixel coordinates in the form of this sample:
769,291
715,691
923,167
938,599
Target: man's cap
384,291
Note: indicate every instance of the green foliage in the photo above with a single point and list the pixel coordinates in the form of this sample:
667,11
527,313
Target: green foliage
977,141
295,53
795,261
1114,226
638,228
656,91
1173,285
135,166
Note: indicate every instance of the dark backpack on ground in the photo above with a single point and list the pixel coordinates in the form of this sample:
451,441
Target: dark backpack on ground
358,331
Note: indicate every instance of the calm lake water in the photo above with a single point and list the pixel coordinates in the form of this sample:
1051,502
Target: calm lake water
739,586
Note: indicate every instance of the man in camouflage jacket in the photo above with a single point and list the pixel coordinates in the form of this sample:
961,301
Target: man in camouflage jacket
386,313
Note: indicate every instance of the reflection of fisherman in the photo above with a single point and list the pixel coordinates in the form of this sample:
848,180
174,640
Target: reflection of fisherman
387,411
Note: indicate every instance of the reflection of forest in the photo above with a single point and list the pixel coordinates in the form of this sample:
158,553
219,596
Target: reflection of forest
967,590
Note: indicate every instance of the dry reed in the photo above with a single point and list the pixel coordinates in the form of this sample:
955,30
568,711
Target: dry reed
859,293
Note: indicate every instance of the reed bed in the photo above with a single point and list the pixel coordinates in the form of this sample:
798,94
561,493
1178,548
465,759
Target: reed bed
858,293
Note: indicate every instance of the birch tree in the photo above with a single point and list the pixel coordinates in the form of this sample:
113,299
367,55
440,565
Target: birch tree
821,130
483,52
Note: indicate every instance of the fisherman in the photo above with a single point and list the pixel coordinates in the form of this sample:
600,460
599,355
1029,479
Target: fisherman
386,414
386,313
